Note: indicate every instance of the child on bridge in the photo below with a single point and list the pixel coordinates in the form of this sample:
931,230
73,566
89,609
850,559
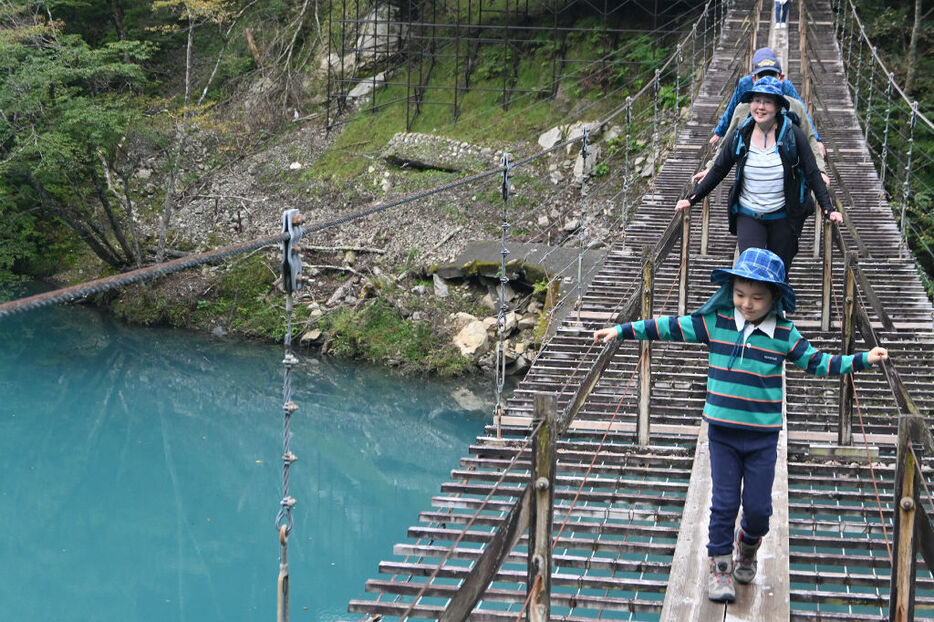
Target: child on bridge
749,339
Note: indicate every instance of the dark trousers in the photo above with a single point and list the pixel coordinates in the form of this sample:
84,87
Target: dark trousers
781,12
778,236
742,468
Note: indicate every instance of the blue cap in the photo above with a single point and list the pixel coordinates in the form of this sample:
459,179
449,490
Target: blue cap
759,264
766,85
765,59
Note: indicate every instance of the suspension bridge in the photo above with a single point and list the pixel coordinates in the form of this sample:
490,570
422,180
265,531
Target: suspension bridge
587,496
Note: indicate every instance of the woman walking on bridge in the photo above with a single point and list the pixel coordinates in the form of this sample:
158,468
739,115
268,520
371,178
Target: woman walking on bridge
775,168
749,339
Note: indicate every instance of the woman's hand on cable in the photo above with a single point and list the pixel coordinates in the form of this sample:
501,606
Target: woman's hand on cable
836,217
878,354
696,179
605,335
826,179
683,203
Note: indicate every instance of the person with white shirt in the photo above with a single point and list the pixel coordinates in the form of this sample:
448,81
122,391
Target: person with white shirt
775,167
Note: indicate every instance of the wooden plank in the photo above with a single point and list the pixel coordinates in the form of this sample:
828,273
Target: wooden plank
492,559
766,598
691,430
686,596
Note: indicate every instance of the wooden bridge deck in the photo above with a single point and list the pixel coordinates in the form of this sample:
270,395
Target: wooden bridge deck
632,520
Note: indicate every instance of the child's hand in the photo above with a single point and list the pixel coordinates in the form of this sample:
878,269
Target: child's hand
878,354
605,335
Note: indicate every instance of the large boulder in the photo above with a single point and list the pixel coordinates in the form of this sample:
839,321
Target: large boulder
382,34
472,340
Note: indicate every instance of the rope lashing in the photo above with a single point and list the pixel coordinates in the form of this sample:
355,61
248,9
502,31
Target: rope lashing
859,75
885,136
291,282
500,371
582,232
872,80
849,47
656,89
626,172
680,58
906,186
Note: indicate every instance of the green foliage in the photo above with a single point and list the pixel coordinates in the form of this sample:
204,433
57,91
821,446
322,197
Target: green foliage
602,169
378,333
243,302
66,107
666,97
246,302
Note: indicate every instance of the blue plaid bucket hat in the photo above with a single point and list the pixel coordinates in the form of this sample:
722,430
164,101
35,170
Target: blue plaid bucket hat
759,264
766,85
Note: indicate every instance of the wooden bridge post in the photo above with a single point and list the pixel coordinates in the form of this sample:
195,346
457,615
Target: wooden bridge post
818,224
845,429
754,31
828,275
685,260
541,510
803,52
902,599
645,359
705,226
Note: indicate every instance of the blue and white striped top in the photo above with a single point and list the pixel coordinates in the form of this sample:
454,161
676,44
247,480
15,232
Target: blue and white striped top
763,181
744,377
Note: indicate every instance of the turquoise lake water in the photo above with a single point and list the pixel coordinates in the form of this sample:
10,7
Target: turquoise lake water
141,472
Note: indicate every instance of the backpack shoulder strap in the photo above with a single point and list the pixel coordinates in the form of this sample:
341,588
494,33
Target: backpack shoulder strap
739,143
787,136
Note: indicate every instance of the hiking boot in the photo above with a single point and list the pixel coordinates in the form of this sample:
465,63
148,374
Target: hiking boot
720,582
744,569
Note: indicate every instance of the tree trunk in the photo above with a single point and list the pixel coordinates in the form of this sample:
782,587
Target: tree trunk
94,239
913,49
178,146
115,226
119,21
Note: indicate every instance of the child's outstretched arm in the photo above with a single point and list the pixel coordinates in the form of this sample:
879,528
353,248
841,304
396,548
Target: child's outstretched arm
813,361
666,328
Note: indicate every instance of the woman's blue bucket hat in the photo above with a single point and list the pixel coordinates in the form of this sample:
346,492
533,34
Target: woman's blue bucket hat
766,85
759,264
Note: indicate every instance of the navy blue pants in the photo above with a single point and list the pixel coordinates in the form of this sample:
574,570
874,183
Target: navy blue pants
781,12
778,236
742,468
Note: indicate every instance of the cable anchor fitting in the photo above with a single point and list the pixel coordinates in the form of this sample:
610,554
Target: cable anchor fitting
507,173
291,254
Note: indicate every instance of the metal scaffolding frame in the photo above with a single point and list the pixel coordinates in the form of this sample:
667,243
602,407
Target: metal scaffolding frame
373,44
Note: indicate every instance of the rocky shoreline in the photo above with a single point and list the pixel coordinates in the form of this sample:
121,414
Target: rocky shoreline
410,258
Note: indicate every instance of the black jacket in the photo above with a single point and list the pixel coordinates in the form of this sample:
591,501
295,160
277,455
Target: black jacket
801,172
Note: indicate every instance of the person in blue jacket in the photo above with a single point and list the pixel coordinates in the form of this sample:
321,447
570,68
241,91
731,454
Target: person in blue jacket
764,63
